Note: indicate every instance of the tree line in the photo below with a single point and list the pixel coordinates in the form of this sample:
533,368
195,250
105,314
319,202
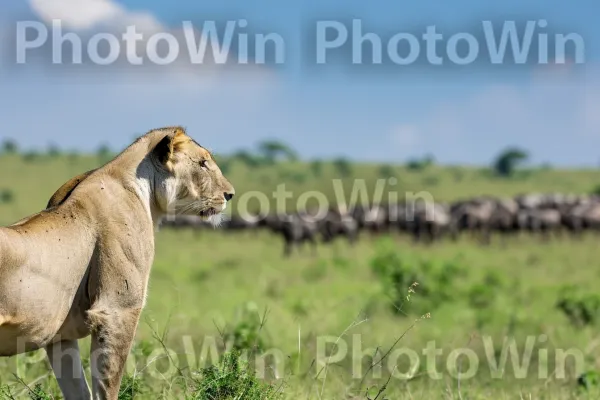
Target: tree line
271,152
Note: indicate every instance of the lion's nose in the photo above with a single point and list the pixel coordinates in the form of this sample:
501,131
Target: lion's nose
228,196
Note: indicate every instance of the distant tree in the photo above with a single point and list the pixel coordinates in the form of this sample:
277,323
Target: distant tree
386,171
9,146
73,156
224,164
247,158
316,166
419,164
273,151
103,153
509,160
53,150
31,156
6,196
343,167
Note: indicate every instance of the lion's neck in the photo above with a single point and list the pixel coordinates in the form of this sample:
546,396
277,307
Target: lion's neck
150,185
136,153
155,189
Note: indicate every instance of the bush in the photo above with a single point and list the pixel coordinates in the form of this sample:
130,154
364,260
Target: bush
38,393
437,280
386,171
6,196
131,386
316,166
53,151
224,165
417,164
589,380
483,295
581,307
480,297
31,156
9,146
104,153
232,379
343,167
245,333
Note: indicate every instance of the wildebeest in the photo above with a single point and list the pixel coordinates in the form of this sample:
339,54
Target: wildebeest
338,223
481,216
295,229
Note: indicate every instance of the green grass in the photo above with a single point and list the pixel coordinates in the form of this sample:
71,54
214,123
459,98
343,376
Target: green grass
209,290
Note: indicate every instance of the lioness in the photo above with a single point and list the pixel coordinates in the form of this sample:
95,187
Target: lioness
81,266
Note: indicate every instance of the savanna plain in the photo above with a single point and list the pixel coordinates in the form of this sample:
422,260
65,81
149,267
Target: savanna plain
228,317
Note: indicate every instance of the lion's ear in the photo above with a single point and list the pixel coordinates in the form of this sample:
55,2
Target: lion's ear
168,146
163,151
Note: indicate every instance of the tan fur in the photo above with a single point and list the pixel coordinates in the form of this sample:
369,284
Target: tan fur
65,190
81,266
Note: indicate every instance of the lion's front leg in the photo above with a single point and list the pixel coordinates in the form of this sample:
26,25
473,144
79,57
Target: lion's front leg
113,331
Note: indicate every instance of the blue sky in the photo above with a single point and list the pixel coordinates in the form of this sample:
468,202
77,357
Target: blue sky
459,114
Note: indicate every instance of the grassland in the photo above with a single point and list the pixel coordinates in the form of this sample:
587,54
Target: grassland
217,286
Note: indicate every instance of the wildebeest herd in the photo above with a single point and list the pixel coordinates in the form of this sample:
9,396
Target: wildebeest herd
543,214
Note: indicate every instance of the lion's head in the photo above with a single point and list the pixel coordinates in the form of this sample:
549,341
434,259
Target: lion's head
192,182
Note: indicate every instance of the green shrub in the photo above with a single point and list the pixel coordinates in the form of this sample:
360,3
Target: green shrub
343,167
6,196
386,171
38,393
232,379
246,331
483,295
419,164
31,156
589,380
224,165
581,307
9,146
436,280
53,151
6,393
480,296
131,386
316,167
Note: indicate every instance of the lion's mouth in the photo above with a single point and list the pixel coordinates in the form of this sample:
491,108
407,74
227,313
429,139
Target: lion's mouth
209,212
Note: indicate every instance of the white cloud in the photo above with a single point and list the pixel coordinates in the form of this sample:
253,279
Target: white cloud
89,14
405,136
78,14
83,106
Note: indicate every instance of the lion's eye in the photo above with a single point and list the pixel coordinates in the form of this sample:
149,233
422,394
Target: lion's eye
204,163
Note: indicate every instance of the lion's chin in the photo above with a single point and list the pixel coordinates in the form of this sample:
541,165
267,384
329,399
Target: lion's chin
212,215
